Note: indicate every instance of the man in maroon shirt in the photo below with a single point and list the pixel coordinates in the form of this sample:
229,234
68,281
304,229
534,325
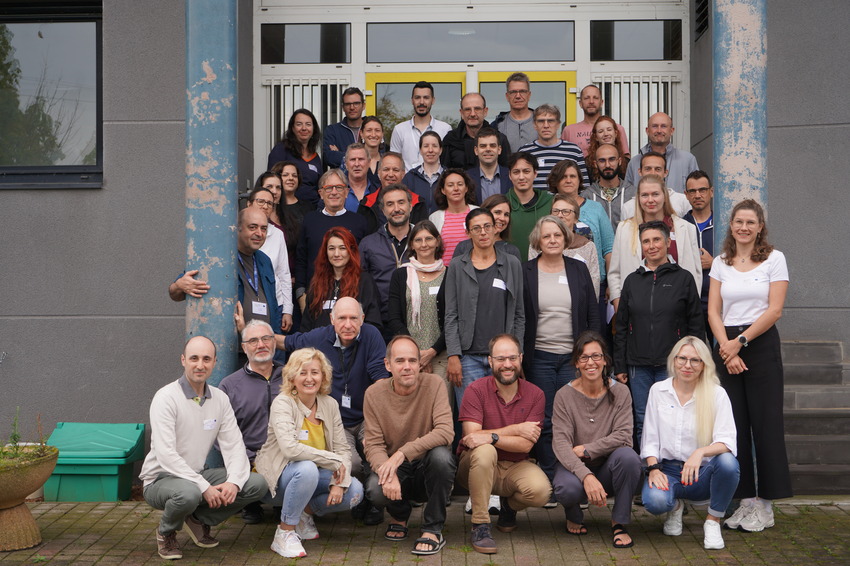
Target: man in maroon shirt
501,416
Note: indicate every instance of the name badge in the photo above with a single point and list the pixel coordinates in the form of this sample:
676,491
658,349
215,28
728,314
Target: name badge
328,305
433,290
541,162
303,434
499,284
346,401
673,236
259,308
562,280
209,424
313,168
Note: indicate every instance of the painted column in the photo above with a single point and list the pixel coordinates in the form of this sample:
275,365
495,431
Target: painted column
740,107
211,168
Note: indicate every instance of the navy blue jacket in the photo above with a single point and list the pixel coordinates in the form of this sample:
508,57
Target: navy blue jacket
354,369
705,239
266,273
504,181
340,135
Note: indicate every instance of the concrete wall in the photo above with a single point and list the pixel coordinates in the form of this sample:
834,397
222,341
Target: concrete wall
86,325
808,144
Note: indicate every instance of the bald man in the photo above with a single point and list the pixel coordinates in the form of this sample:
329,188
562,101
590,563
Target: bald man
680,163
187,416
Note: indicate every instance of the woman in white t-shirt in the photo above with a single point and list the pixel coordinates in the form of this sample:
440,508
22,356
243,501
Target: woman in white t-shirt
749,281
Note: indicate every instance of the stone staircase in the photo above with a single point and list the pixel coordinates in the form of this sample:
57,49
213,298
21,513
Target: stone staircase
817,417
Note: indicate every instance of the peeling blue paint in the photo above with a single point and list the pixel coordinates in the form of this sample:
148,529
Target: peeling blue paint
211,173
740,107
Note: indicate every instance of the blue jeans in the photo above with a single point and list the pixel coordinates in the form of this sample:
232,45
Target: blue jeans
717,482
473,367
303,483
549,372
641,378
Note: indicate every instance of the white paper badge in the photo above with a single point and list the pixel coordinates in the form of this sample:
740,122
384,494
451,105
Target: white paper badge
209,424
259,308
499,284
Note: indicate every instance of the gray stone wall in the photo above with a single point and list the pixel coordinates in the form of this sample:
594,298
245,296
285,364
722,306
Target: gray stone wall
808,144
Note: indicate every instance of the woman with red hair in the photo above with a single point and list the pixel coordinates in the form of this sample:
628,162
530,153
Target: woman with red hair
606,130
338,274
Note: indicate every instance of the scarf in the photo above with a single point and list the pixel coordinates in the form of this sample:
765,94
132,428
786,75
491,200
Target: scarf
413,266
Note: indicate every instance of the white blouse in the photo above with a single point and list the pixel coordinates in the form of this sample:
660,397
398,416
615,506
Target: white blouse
669,428
745,293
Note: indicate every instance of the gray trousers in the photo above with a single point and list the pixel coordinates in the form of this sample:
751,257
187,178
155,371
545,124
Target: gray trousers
619,475
178,498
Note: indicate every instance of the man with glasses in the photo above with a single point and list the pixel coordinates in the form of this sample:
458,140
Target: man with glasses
501,416
459,144
700,193
339,136
548,148
517,124
483,298
251,391
333,190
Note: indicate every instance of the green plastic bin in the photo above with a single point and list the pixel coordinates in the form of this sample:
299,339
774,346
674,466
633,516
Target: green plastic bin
95,461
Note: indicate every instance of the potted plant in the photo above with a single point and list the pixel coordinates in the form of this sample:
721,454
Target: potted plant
23,469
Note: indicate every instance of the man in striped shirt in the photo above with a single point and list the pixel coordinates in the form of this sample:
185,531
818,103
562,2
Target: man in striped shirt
548,148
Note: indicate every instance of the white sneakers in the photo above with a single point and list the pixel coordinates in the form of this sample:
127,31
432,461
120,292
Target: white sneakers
758,519
306,527
742,511
494,505
713,539
288,544
673,524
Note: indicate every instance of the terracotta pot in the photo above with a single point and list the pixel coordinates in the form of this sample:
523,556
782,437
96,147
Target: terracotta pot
18,528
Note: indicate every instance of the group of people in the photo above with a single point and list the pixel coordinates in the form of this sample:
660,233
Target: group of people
543,326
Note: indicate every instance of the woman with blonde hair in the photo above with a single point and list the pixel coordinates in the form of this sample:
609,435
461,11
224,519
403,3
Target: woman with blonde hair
306,457
653,203
690,442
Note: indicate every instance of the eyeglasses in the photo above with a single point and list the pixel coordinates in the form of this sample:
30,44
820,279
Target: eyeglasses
700,191
521,92
267,339
482,228
683,361
503,359
334,188
352,104
596,357
563,211
263,202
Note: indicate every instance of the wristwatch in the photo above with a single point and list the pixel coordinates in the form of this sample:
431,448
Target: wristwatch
495,438
743,340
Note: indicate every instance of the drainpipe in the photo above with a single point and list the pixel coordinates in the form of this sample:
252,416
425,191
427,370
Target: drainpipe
211,168
740,107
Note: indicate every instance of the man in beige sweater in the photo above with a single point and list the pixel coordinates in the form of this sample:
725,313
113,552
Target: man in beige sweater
407,440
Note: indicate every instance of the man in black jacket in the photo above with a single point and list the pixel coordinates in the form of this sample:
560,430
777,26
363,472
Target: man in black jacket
459,144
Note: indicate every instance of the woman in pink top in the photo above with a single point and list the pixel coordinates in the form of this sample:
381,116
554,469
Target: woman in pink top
454,195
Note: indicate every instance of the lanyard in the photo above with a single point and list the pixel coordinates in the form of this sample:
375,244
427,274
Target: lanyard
255,282
346,370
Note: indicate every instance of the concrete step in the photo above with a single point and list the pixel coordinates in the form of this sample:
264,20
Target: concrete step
817,397
813,373
808,351
822,449
817,479
817,421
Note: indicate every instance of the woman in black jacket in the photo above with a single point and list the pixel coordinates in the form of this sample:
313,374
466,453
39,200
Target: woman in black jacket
659,305
560,303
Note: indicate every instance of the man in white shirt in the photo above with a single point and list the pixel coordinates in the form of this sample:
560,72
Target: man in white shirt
187,416
405,138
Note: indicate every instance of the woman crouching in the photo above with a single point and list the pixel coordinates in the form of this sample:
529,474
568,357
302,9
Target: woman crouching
690,442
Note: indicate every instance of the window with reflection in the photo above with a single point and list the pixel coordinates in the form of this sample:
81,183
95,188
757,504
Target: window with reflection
305,43
50,101
469,42
636,40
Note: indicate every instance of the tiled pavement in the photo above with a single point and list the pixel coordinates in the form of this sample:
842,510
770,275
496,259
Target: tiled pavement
807,531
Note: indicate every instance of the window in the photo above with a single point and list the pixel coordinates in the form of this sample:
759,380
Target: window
305,43
469,42
50,101
647,40
702,15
